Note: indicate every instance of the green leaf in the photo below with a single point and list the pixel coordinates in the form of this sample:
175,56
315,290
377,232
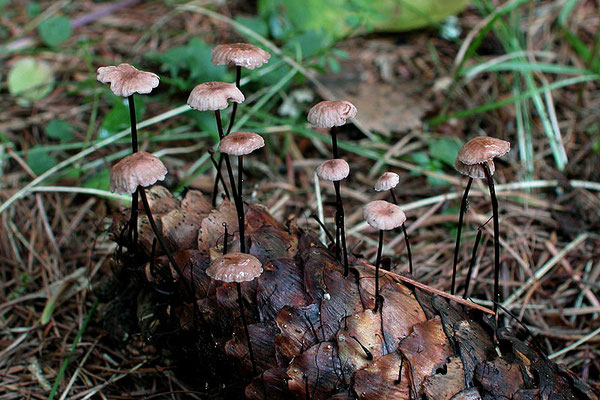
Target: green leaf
191,61
55,31
420,158
30,80
40,160
117,118
341,17
100,180
445,150
33,9
61,130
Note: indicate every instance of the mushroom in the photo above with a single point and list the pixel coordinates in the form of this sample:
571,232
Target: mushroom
475,159
237,267
125,80
215,96
334,171
388,181
241,55
131,175
240,144
383,216
330,114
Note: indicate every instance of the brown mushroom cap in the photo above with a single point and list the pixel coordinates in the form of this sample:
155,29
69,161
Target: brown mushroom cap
328,114
383,215
212,96
474,171
333,170
482,149
235,267
126,80
241,54
139,169
241,143
387,181
478,151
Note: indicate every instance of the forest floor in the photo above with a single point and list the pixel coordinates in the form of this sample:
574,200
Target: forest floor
530,76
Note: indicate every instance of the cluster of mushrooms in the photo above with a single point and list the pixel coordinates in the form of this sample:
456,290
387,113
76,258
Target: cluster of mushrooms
141,169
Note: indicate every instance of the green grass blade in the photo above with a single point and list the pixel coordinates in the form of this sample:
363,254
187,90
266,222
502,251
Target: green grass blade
510,100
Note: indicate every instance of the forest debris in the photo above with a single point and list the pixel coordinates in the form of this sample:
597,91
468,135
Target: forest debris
317,371
426,348
386,378
360,329
445,384
279,285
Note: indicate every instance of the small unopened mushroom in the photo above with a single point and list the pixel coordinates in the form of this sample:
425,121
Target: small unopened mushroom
388,181
475,159
383,216
125,80
329,115
334,171
237,267
240,144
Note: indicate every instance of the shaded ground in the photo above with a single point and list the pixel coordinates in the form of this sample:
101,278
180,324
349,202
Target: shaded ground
57,242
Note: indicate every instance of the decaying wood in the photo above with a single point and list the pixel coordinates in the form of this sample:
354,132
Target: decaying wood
314,333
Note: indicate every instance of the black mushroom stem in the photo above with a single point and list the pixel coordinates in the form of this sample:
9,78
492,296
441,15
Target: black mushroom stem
406,239
245,323
238,78
239,205
490,181
339,207
219,176
378,298
163,244
461,214
133,221
339,219
473,261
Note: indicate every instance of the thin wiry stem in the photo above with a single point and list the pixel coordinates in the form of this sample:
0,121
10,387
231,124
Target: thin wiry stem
410,263
241,219
490,181
473,261
377,262
219,177
162,242
239,205
133,220
238,77
340,223
246,331
463,209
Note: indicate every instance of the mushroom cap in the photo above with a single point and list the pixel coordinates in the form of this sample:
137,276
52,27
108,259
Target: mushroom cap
241,54
474,171
387,181
328,114
138,169
333,170
482,149
241,143
126,80
212,96
235,267
383,215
